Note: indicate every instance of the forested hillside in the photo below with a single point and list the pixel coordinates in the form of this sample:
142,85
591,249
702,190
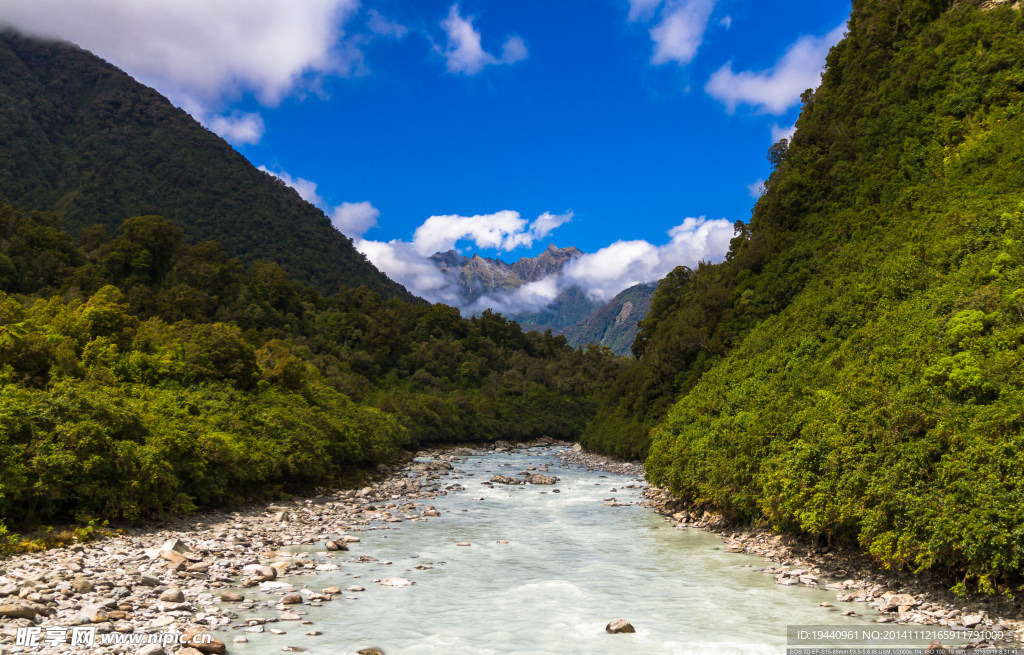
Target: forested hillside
853,370
86,141
141,375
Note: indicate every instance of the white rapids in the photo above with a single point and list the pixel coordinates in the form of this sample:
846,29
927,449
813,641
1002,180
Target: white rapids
571,565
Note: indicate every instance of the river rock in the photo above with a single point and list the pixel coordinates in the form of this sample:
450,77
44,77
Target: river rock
81,585
197,639
92,614
333,591
892,602
619,626
172,595
336,545
291,599
971,620
540,478
232,597
504,479
18,611
396,582
372,650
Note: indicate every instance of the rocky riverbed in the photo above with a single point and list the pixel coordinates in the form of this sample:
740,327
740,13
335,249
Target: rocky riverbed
191,576
217,575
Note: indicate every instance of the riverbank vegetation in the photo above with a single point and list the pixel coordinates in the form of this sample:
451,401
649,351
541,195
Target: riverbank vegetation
141,375
853,369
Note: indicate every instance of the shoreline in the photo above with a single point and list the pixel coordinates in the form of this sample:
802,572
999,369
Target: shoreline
900,597
193,574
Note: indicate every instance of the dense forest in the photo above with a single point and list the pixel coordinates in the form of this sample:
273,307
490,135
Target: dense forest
852,371
142,375
86,141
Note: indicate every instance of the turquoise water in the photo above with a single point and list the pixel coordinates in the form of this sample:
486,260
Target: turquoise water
571,565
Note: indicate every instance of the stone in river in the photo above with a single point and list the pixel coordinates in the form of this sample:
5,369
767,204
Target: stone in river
396,582
232,597
372,650
334,591
619,626
336,545
173,595
463,543
294,649
541,479
240,640
291,599
355,588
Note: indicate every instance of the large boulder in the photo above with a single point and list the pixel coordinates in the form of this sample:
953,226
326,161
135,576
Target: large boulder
619,626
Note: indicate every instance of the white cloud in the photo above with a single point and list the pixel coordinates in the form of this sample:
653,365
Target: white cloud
780,133
239,128
681,30
503,230
353,219
642,9
202,54
403,264
381,26
756,188
775,90
306,189
465,53
601,275
623,264
726,22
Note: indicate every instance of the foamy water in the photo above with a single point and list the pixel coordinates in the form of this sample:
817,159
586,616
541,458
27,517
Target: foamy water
572,564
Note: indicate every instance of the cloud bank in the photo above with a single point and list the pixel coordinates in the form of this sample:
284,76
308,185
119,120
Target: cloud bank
204,54
601,274
465,53
775,90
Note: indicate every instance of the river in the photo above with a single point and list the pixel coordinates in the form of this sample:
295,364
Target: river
571,565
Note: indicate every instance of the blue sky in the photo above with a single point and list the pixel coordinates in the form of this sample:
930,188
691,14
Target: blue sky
617,119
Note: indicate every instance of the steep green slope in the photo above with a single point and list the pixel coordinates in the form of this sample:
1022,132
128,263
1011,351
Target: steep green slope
85,140
852,370
614,325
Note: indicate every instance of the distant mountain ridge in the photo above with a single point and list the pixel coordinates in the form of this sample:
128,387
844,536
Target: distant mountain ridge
85,140
580,318
480,276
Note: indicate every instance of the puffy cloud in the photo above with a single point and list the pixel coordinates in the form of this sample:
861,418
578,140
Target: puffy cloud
465,53
756,188
775,90
726,22
200,53
681,30
405,265
354,218
623,264
601,274
381,26
504,230
780,133
239,128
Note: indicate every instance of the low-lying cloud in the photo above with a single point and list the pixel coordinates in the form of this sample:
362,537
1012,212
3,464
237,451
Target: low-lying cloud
601,275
